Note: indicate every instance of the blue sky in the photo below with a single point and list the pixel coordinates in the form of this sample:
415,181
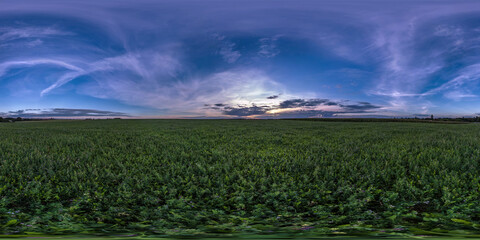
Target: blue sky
255,59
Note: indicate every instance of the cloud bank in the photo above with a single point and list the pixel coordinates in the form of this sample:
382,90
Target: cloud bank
297,108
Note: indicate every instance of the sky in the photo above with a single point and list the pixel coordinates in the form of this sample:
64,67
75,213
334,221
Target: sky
239,59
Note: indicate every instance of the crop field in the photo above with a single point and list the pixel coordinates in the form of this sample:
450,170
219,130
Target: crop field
200,177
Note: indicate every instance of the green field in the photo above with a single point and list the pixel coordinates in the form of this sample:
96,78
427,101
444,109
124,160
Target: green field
207,177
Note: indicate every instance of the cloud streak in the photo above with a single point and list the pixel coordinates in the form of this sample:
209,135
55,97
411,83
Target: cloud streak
10,34
61,113
5,66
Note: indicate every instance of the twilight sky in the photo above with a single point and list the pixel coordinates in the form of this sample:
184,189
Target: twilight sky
262,59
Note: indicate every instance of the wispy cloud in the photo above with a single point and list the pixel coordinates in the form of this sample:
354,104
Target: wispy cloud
5,66
240,86
268,47
34,43
147,67
11,33
460,86
227,49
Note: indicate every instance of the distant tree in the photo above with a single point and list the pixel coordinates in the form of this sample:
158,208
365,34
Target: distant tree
431,117
18,119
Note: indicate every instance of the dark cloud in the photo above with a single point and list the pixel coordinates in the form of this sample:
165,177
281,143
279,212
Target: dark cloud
245,111
293,103
345,110
360,107
306,110
217,106
61,112
306,114
422,115
330,104
273,97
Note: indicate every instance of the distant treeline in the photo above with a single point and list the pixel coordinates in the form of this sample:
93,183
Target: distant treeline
422,120
19,119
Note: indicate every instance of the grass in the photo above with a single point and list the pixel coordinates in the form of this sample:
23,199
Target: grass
204,177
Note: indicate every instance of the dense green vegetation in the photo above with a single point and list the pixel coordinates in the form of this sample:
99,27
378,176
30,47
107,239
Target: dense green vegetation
166,177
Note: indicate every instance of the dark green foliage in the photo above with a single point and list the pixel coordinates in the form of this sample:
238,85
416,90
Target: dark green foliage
193,176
